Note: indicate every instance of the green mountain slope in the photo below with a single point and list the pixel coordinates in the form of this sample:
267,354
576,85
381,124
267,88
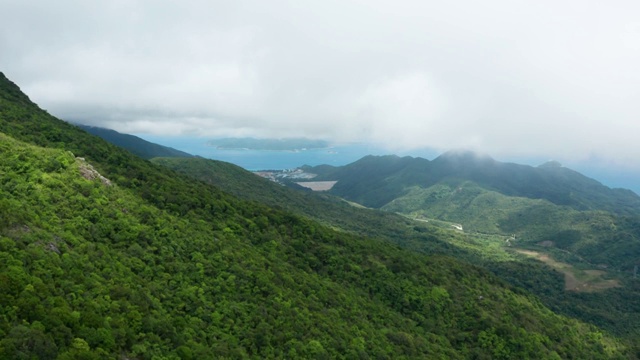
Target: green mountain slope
596,232
374,181
105,255
615,309
600,236
138,146
326,209
544,204
216,275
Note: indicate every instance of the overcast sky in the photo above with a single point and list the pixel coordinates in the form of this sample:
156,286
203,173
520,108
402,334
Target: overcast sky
510,78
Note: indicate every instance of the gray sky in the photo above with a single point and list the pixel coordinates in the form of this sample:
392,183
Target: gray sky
510,78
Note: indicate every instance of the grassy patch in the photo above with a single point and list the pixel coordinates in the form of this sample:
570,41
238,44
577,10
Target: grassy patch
575,279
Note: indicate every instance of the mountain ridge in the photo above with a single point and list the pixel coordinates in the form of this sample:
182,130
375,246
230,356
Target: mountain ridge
549,204
559,185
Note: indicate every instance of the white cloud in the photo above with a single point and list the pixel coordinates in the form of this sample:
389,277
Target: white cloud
530,78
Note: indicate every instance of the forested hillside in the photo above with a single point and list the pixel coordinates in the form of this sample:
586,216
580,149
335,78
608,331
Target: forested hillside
594,230
374,181
106,255
326,209
617,309
548,203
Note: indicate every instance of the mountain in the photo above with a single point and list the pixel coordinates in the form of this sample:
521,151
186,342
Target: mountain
326,209
374,181
106,255
549,203
613,308
138,146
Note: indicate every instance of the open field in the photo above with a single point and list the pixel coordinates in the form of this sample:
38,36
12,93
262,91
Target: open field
575,279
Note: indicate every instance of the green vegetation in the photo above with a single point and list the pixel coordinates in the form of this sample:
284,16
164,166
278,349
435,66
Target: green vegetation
374,181
547,204
147,263
428,236
434,236
595,236
575,279
549,209
326,209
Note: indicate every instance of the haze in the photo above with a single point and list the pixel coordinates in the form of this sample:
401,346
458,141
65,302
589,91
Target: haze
510,78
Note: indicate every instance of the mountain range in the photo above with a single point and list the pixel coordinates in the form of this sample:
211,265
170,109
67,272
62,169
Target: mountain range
390,177
587,241
548,203
108,255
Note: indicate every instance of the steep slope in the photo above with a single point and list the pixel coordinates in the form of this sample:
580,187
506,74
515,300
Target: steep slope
327,209
105,255
138,146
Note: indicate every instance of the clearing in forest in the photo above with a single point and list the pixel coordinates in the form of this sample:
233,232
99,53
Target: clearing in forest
575,279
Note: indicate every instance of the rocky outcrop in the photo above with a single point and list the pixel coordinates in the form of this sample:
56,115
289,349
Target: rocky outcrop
88,172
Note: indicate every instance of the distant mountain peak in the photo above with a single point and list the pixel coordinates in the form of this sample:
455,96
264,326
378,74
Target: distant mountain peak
376,180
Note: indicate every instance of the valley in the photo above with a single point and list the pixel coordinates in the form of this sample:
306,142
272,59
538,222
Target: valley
499,248
579,276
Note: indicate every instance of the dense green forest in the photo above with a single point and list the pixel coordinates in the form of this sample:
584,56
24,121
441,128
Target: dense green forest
326,209
106,255
552,210
616,309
